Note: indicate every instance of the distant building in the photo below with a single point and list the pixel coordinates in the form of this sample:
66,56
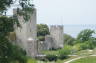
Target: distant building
56,39
57,34
49,44
26,34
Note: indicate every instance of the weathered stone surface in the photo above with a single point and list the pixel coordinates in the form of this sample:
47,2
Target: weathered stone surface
49,44
56,31
41,47
27,31
55,40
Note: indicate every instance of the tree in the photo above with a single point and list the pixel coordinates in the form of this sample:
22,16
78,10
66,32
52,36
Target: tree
42,31
4,4
85,35
24,4
85,40
63,53
69,40
8,51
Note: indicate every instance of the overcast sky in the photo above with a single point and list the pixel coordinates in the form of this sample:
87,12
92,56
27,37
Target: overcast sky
65,11
70,13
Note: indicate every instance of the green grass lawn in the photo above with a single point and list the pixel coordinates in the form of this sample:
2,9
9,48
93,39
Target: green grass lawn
62,61
31,61
89,59
50,52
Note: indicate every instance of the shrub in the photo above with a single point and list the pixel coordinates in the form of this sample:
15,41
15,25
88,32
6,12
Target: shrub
76,47
51,57
63,53
84,46
41,38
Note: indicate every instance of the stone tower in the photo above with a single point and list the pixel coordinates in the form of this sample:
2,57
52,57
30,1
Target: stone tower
56,32
49,43
26,35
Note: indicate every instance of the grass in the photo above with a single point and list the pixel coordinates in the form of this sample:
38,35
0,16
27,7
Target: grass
84,53
90,59
81,53
50,52
62,61
30,60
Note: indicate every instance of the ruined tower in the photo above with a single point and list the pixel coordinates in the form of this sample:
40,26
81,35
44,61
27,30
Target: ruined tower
49,43
26,35
56,32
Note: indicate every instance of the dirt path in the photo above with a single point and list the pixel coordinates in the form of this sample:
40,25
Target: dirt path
76,59
73,59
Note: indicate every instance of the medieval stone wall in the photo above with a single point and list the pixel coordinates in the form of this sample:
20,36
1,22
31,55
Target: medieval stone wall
49,44
56,39
27,31
56,31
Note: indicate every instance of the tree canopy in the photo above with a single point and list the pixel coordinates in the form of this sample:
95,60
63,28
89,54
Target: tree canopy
85,35
4,4
42,31
69,40
8,51
86,40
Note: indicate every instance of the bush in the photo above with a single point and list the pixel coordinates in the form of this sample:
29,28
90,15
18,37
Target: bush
41,38
81,46
59,54
68,40
63,53
84,46
51,57
77,47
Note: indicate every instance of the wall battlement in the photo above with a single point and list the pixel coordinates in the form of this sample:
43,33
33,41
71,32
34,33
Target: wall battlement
56,38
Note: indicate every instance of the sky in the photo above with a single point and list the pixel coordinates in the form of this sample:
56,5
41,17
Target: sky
75,15
74,30
66,12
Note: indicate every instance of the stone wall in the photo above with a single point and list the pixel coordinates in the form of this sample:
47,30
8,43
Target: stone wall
41,47
56,39
56,31
27,31
48,42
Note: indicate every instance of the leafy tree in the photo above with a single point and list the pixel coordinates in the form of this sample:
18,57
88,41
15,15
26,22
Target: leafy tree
6,26
89,44
51,57
8,51
4,4
85,40
42,31
85,35
63,53
25,5
69,40
83,46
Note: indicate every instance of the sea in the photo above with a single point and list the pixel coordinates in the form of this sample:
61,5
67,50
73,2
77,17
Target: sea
74,30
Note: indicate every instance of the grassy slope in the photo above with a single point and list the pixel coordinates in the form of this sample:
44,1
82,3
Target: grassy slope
31,61
89,59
